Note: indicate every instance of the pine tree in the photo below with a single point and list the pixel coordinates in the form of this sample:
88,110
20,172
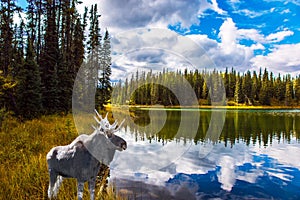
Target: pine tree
232,83
247,87
70,44
29,86
49,61
288,91
7,11
264,95
205,90
226,82
279,89
39,28
297,89
18,50
238,95
104,87
255,86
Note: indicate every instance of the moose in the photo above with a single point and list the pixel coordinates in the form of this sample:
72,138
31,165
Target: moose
83,157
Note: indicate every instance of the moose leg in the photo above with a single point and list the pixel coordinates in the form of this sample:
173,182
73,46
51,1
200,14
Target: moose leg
92,182
80,190
53,177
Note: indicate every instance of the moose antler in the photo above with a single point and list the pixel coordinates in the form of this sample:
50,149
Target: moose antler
105,125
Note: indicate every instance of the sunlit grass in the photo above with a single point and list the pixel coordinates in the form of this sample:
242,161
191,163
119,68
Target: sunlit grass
23,166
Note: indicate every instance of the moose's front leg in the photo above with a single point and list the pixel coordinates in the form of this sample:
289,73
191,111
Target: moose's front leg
80,186
92,182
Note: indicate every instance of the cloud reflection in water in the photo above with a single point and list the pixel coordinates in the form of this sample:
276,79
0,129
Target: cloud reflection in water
238,171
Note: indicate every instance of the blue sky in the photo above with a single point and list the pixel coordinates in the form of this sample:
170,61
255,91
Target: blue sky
244,34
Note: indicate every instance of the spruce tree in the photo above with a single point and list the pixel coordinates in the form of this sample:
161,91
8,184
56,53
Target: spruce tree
238,96
279,89
297,89
226,82
7,10
232,83
255,86
288,91
104,88
264,95
29,86
49,61
247,87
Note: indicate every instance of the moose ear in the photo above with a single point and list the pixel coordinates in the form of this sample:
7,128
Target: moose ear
109,134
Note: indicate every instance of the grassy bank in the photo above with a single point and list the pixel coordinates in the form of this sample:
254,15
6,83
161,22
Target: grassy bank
23,167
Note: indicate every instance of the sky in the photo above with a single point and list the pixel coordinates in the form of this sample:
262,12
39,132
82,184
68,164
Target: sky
243,34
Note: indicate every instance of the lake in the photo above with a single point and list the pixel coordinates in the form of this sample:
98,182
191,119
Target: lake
209,154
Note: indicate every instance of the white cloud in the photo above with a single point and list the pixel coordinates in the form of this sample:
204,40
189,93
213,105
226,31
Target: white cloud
282,59
257,46
251,13
285,20
234,1
285,2
120,17
285,11
279,36
157,48
216,8
251,34
228,35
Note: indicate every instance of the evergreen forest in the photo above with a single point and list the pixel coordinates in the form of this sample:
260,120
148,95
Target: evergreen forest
43,46
230,87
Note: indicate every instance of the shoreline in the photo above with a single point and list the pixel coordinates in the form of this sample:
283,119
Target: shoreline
242,107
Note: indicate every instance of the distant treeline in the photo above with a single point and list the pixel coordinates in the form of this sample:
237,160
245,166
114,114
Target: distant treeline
41,55
250,88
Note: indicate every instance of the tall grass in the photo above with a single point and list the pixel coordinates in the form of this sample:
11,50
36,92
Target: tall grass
23,166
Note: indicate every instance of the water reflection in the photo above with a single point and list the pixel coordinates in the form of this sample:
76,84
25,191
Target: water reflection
256,156
256,126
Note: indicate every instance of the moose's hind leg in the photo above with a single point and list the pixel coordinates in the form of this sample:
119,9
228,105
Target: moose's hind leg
92,183
80,186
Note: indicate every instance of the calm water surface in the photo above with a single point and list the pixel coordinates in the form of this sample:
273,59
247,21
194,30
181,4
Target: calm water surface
255,155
